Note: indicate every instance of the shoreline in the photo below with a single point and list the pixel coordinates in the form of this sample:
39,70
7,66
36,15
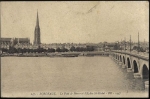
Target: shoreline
58,54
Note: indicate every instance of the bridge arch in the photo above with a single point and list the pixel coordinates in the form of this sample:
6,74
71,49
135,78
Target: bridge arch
120,58
128,63
145,72
135,66
124,60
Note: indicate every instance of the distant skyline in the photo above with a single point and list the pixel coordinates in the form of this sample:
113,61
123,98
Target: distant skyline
76,21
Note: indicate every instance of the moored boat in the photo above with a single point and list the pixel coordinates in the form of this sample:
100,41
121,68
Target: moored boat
69,55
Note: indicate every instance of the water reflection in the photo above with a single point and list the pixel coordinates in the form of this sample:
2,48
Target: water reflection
135,84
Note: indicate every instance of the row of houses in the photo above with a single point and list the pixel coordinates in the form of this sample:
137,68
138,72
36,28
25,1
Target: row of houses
14,41
25,43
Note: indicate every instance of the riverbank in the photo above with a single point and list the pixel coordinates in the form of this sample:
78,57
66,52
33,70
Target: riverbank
57,54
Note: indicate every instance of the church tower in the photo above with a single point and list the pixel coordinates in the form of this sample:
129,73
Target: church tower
37,39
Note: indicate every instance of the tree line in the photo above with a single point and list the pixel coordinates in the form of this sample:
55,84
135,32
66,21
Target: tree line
49,50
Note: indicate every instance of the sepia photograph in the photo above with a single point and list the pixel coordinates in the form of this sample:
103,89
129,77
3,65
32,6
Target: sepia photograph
74,49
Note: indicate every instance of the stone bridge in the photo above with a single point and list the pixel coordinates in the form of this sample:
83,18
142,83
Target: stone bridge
133,62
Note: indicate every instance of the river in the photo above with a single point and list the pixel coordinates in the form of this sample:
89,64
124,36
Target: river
21,76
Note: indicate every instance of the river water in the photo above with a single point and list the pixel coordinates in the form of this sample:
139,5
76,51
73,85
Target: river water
21,76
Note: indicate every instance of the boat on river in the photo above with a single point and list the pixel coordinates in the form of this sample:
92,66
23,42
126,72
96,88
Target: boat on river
90,55
69,55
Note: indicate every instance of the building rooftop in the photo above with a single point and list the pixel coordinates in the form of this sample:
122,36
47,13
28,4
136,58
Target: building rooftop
5,39
22,39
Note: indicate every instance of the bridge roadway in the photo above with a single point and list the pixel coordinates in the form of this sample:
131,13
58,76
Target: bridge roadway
136,63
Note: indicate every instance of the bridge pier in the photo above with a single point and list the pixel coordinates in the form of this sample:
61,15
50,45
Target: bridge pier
146,85
115,60
123,66
112,57
139,84
129,70
130,75
120,63
137,67
137,75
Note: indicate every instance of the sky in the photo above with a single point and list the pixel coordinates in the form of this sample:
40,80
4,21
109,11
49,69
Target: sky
76,21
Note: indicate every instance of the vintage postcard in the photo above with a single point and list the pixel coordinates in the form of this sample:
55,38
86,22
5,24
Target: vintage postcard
74,49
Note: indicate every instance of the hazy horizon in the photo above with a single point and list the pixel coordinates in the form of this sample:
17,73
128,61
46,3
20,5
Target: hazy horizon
76,21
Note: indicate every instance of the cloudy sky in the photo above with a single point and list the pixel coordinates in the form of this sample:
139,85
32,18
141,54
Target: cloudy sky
77,22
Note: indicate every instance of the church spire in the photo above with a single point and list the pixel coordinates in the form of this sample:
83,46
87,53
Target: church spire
37,39
37,21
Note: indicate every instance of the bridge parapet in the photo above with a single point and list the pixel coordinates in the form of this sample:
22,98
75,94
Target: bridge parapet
141,55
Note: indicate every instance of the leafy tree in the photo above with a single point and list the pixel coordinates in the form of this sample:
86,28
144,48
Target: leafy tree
58,50
48,50
66,50
90,48
28,50
40,50
72,49
78,49
140,49
4,50
19,50
35,50
135,48
53,50
84,49
116,46
24,50
62,50
11,50
44,50
15,50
